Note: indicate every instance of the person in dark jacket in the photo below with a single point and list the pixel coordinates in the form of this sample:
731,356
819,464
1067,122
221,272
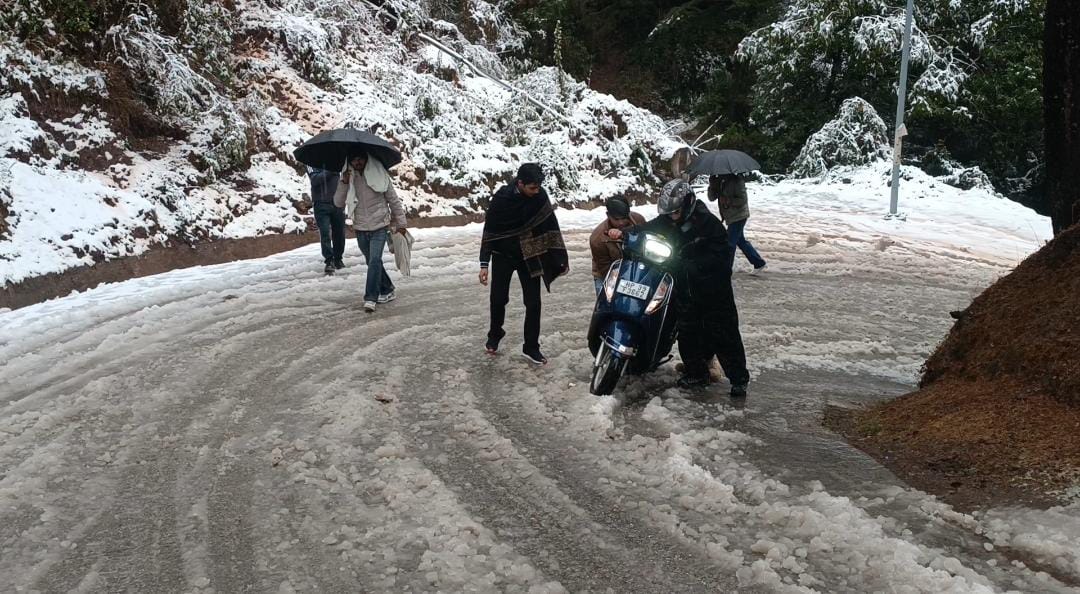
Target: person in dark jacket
329,218
521,234
708,318
730,192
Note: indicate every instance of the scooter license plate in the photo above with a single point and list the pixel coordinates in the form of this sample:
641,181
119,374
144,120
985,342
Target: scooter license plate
633,289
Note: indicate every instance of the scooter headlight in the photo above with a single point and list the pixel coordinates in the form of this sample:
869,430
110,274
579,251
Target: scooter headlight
660,295
612,280
656,250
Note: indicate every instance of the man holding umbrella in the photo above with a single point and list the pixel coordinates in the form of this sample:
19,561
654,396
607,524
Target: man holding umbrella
370,201
726,186
365,192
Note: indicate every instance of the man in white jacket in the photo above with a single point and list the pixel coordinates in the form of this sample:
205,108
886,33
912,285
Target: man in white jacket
369,199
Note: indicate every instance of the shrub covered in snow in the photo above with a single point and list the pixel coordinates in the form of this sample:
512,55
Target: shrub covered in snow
856,137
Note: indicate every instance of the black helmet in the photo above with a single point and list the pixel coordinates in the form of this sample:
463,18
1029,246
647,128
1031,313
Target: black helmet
618,207
676,195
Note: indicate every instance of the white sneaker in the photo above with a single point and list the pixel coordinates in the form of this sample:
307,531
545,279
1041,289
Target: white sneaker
369,306
387,298
760,270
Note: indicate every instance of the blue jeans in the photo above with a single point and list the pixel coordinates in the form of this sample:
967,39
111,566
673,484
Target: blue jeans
598,284
737,239
372,244
331,222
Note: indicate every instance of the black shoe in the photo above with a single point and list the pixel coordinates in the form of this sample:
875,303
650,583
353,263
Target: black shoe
535,356
329,268
738,391
338,264
689,382
492,344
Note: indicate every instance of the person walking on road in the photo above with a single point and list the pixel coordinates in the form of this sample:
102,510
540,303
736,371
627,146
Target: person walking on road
730,191
329,218
606,250
366,193
521,234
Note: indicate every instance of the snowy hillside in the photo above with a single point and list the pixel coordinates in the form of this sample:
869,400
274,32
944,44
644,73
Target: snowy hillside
85,176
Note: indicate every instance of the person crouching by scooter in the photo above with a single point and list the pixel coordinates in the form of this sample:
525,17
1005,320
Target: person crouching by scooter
704,298
606,250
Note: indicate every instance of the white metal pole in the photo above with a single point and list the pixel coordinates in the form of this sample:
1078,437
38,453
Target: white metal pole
901,96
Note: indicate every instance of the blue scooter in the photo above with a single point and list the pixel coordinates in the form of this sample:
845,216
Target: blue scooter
631,329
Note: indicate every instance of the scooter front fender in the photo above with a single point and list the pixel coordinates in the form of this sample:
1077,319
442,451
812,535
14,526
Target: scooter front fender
623,337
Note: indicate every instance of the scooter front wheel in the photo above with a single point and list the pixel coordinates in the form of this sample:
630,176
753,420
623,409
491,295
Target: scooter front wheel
606,372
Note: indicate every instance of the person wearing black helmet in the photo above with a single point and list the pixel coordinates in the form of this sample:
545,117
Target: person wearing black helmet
606,250
704,298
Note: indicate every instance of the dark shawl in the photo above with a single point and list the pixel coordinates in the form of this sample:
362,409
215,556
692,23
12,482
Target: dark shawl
526,229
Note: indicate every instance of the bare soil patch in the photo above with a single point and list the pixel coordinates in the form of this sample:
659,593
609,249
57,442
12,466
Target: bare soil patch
997,417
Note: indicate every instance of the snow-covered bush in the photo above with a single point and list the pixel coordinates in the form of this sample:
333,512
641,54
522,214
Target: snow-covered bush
207,38
310,47
222,142
158,63
856,137
550,151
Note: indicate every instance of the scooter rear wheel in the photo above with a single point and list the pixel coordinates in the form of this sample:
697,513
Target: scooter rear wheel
606,372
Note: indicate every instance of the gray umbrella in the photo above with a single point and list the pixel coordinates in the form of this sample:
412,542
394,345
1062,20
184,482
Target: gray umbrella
722,163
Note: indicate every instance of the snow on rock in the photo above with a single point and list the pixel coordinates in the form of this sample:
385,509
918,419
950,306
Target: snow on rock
18,133
857,136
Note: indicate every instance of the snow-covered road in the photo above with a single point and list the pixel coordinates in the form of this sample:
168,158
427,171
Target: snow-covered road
247,427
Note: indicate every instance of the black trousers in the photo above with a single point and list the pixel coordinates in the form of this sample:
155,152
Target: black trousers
708,326
501,271
331,222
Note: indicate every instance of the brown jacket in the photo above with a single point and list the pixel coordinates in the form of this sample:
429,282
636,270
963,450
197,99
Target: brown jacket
604,249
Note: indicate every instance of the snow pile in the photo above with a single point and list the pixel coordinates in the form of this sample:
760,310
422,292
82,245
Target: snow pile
857,136
1050,537
213,159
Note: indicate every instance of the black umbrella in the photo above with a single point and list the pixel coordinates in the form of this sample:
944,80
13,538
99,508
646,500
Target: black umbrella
329,149
722,163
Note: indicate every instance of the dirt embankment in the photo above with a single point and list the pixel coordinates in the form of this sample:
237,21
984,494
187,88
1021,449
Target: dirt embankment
164,258
997,416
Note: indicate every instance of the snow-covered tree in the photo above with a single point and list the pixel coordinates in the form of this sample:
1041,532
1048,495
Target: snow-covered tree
967,58
856,137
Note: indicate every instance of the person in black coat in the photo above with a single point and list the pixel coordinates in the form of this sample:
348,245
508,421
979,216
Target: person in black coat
329,218
521,234
708,318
